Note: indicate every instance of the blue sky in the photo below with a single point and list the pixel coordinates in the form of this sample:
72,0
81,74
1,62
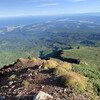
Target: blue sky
47,7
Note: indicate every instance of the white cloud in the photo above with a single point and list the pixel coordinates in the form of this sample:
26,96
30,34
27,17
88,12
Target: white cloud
48,4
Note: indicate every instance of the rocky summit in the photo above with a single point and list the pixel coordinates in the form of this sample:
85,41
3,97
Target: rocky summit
34,79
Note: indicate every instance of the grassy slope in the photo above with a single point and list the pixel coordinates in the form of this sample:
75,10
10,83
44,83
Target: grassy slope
11,57
90,63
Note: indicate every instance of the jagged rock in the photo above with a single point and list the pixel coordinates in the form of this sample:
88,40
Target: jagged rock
11,82
16,70
58,98
65,90
42,96
30,74
12,86
5,86
29,70
45,68
35,73
38,66
42,86
14,92
30,58
37,77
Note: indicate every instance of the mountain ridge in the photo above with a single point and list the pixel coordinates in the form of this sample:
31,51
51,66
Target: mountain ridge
26,77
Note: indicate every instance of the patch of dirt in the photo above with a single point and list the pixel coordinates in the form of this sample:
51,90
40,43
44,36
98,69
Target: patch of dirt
31,78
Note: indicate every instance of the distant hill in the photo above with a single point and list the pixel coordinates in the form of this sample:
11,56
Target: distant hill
44,38
93,14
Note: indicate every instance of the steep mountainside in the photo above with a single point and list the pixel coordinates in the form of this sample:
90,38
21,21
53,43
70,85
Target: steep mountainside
88,59
24,78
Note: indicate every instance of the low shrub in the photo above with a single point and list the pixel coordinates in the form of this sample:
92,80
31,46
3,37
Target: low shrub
65,65
50,64
34,59
59,71
76,81
12,77
25,83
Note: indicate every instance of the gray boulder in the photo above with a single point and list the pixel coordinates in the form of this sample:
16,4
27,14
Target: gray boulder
42,96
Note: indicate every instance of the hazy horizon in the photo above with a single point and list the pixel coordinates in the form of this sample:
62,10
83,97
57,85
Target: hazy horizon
14,8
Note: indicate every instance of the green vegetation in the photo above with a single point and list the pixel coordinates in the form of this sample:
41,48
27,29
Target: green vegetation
12,77
25,83
10,57
88,56
65,65
89,63
59,71
34,59
76,81
62,68
50,64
